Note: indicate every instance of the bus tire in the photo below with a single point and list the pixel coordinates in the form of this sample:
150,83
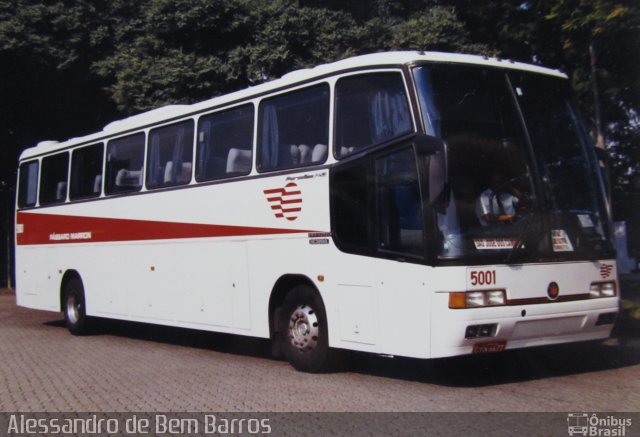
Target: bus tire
304,337
74,308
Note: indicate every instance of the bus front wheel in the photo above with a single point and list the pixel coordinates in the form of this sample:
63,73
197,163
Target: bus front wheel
303,332
73,306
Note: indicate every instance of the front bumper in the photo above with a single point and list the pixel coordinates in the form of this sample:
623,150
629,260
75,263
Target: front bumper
520,325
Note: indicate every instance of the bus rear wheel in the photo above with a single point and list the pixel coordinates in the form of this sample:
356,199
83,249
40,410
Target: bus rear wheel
73,307
303,335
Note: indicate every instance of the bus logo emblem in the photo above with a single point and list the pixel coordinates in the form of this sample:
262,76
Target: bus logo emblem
285,202
605,270
553,290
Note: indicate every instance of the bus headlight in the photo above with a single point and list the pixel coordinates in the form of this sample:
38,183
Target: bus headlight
608,289
495,298
477,299
602,289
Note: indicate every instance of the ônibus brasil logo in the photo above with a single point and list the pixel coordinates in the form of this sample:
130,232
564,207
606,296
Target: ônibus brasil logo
594,425
286,202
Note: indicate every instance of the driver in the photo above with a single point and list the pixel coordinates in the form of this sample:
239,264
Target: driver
497,204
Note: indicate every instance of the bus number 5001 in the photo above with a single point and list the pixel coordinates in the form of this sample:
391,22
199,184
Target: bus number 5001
483,277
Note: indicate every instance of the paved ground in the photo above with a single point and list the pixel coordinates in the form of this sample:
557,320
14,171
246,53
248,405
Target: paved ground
137,367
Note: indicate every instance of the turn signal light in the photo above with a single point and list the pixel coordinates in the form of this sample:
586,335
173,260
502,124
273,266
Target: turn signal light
477,299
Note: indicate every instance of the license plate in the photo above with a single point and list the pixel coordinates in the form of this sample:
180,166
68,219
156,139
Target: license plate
489,347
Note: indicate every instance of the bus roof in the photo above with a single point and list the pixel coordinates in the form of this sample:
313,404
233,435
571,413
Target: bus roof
383,59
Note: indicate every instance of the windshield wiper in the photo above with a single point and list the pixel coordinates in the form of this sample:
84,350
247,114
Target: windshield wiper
534,216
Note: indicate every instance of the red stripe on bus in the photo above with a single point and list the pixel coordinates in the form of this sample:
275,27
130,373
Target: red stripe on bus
37,228
281,200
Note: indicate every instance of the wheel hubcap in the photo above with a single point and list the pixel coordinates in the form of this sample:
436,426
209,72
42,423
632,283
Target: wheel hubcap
304,328
74,307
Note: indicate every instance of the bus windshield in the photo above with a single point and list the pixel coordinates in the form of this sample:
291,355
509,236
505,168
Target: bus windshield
522,178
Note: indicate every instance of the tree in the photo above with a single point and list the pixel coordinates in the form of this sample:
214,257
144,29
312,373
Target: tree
435,28
169,51
559,34
69,66
602,38
286,37
46,50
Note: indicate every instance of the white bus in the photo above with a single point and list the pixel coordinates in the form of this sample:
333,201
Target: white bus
409,203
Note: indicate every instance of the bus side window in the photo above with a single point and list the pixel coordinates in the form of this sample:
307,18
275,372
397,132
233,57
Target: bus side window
125,160
370,109
388,185
86,172
28,184
170,155
293,129
225,144
351,218
53,181
400,228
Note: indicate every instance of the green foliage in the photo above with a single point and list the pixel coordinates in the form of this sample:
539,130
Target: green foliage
271,49
187,51
611,28
437,28
58,33
144,77
46,88
69,66
169,52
